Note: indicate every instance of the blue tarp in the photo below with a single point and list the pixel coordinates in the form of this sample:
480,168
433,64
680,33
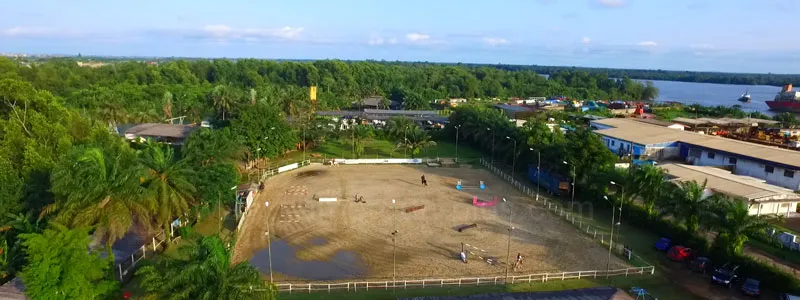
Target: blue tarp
547,181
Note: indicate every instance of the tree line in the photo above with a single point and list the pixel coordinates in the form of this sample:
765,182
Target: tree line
130,92
683,76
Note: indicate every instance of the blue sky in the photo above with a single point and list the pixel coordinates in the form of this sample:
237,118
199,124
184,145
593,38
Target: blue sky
712,35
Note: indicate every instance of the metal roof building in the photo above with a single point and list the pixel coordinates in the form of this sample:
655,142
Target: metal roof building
764,198
774,165
168,133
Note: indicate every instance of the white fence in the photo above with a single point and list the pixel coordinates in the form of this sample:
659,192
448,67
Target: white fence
457,282
556,208
275,171
157,243
265,176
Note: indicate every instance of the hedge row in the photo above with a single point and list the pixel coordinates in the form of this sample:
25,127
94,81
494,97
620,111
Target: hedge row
769,275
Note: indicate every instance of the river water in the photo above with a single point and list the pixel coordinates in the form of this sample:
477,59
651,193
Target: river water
710,94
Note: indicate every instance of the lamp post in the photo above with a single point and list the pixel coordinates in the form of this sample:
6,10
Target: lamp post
457,127
574,176
513,158
621,201
489,129
304,142
538,170
269,244
508,247
405,141
394,245
611,239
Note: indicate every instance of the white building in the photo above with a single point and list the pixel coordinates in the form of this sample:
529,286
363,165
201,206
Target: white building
774,165
762,198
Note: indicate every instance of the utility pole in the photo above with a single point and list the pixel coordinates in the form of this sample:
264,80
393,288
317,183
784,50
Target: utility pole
508,246
394,244
513,158
489,129
574,178
457,127
269,243
611,239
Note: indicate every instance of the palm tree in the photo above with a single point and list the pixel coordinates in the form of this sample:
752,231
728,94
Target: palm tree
734,224
687,203
649,184
416,140
222,99
166,183
206,273
12,255
359,134
99,189
397,127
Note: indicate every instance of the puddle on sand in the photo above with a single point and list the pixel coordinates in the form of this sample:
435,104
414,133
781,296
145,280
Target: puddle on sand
318,241
343,265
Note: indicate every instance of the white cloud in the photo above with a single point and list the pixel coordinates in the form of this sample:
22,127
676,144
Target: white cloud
701,46
586,40
224,33
648,44
492,41
20,31
392,41
375,41
611,3
218,30
418,37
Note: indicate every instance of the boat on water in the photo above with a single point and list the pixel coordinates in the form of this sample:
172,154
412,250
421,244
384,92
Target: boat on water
745,97
786,100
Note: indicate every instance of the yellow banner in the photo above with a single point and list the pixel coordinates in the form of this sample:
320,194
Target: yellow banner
313,93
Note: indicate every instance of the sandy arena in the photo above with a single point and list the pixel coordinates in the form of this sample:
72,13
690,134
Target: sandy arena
427,242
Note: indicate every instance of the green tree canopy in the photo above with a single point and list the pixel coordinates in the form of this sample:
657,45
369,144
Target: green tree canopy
205,273
60,267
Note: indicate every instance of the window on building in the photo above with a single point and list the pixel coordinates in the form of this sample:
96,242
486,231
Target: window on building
711,155
769,169
694,153
613,142
732,160
788,173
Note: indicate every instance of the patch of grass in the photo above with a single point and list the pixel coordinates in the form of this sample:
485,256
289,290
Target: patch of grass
655,285
387,149
781,253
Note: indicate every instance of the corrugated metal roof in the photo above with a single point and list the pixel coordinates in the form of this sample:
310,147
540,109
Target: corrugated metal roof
401,112
161,130
13,290
647,134
724,182
514,108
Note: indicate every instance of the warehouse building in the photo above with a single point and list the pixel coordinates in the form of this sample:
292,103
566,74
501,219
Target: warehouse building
774,165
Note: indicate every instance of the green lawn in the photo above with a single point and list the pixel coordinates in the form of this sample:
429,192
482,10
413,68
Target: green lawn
387,149
656,285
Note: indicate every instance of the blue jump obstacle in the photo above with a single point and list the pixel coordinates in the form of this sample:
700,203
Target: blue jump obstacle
459,187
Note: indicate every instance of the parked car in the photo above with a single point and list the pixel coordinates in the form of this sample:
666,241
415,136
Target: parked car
700,264
751,287
679,253
663,244
725,275
789,297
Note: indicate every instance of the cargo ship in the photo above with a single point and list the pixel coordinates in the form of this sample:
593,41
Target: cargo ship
786,100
